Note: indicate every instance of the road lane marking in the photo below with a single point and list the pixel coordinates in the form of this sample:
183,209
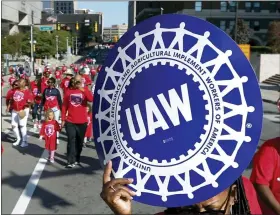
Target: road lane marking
30,187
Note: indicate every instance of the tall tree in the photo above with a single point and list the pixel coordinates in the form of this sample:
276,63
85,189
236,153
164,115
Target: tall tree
273,36
243,32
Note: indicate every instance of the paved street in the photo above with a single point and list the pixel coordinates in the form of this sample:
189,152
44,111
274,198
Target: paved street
68,191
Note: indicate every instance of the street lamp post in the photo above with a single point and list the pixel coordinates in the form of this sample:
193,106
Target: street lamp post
161,11
67,46
56,37
76,45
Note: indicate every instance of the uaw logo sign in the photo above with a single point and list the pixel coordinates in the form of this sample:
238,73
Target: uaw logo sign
18,96
178,108
76,99
49,130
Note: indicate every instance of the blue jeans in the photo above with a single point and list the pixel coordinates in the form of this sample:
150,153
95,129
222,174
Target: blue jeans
36,112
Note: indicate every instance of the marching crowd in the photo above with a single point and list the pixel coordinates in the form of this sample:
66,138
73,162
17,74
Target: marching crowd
71,109
57,98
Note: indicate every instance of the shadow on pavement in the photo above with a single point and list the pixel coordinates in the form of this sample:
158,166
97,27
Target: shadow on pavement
270,87
48,199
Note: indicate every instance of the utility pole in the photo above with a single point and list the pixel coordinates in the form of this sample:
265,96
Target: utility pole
236,20
73,47
76,45
32,42
67,46
56,37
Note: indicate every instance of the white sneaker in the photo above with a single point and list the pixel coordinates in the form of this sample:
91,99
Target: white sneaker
17,142
24,144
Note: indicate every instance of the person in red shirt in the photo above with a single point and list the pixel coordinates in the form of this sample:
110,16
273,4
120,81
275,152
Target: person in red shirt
58,76
44,82
88,135
64,68
65,81
99,68
49,130
86,82
2,82
20,103
12,78
76,69
9,95
266,176
239,198
51,99
93,73
75,105
37,96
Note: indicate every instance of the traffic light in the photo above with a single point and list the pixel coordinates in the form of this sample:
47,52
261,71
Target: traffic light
58,26
95,27
115,39
77,26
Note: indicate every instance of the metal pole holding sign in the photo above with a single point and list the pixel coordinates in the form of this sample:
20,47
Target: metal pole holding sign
56,37
31,42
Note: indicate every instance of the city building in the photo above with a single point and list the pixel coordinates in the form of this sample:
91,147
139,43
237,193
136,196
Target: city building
114,32
257,14
65,7
48,4
16,15
84,11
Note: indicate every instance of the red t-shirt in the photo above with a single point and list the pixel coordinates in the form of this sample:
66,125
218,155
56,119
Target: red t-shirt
93,72
44,84
35,92
58,74
64,68
64,84
85,80
20,99
76,69
89,126
48,131
9,96
75,104
266,169
11,80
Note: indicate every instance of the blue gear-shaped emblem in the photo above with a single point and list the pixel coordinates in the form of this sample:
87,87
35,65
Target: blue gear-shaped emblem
224,147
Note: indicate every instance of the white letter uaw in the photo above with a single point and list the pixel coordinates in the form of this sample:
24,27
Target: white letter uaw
152,111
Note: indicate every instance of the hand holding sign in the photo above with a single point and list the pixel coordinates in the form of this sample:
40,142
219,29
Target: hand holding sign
171,106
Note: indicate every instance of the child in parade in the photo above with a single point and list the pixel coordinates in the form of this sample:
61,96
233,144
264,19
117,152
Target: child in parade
37,95
49,130
51,99
88,135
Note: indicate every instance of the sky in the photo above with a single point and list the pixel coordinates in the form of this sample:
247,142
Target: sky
113,12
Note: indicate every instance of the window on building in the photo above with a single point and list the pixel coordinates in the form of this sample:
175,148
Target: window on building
232,6
272,7
256,25
223,6
231,25
198,6
248,6
257,6
223,25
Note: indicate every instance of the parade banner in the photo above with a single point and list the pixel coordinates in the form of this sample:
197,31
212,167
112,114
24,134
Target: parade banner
178,108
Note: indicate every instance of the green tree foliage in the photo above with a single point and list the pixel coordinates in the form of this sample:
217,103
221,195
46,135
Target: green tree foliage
19,44
86,34
273,35
243,32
